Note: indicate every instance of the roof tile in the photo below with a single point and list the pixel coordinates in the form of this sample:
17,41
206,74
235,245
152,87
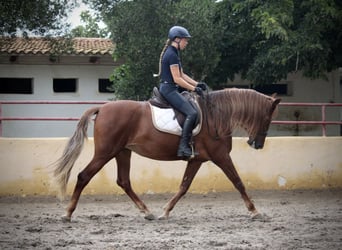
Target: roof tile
39,45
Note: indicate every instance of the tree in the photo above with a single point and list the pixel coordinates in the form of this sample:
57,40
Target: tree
40,17
264,41
139,30
202,54
135,27
91,28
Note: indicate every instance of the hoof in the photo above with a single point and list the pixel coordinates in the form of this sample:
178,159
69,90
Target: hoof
66,218
256,216
149,217
260,217
163,217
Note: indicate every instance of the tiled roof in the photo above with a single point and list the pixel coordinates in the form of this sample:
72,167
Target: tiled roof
81,45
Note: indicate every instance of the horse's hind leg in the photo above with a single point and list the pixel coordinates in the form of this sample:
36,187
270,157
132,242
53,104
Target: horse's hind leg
83,179
228,168
123,160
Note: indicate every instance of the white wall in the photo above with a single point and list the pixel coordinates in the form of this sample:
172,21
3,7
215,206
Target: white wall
284,163
303,90
43,75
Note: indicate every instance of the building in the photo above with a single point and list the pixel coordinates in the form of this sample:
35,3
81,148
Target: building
38,69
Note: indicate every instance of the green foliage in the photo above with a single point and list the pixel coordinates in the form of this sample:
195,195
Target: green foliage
135,29
121,76
319,35
271,17
201,55
139,30
60,45
40,17
262,41
265,40
91,27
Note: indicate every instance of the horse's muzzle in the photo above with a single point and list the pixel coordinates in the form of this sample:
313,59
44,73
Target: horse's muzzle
251,142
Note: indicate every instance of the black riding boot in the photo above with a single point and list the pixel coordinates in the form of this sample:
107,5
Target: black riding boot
184,149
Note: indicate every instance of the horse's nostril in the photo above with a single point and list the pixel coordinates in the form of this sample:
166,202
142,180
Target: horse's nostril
250,142
258,146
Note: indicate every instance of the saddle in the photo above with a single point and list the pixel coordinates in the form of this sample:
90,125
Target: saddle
158,100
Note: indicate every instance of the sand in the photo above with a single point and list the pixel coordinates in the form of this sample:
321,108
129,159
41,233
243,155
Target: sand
300,219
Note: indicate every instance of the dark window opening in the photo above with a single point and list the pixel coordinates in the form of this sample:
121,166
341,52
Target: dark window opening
269,89
16,85
105,86
61,85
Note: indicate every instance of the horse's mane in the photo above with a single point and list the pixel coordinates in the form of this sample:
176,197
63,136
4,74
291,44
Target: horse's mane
232,108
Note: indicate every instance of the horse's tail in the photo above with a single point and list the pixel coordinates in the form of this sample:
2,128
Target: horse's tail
72,151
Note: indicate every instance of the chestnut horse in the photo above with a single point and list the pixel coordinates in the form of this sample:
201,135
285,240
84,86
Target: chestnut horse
124,126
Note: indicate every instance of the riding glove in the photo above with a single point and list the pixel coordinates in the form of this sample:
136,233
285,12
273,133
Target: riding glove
198,91
202,85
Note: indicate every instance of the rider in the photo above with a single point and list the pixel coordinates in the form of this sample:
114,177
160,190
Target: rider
174,80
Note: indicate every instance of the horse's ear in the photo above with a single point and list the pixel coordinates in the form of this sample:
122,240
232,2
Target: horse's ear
275,103
274,107
274,95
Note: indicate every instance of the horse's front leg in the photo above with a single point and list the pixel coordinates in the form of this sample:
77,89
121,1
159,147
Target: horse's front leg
227,166
190,172
123,160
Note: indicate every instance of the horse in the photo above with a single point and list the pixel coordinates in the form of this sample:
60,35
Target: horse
123,126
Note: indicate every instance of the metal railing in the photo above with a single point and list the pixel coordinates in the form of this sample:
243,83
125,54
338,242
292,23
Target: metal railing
36,118
323,122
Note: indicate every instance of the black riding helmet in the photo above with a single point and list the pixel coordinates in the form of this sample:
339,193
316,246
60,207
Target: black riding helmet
178,31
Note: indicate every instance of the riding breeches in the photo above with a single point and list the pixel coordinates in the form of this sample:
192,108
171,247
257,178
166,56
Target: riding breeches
170,92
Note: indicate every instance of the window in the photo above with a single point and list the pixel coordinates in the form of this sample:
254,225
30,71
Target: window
61,85
16,85
269,89
105,86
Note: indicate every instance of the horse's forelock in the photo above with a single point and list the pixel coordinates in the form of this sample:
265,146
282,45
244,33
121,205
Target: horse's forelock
233,108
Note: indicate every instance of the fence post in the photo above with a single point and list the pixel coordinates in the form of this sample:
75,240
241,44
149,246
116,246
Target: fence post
0,120
324,130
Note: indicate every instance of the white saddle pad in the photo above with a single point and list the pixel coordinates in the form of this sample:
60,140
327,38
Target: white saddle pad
164,120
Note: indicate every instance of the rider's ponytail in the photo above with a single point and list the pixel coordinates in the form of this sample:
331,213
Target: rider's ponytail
167,43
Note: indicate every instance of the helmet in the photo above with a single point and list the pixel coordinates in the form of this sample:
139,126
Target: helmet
178,31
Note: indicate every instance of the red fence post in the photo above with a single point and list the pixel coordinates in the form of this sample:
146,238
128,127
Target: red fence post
324,130
0,120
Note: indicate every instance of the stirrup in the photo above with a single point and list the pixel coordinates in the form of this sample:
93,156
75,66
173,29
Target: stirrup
186,157
193,152
183,154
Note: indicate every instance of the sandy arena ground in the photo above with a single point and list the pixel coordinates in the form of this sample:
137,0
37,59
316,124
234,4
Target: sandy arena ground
292,220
